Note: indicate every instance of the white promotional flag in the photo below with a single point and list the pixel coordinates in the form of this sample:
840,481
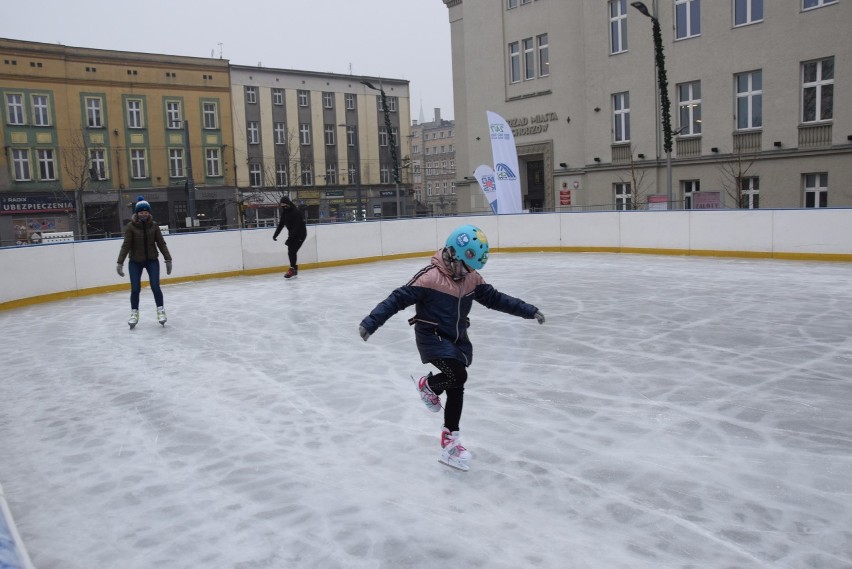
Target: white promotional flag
505,164
485,176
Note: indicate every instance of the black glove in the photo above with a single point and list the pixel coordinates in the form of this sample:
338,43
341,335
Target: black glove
539,316
274,238
287,242
168,267
363,332
119,269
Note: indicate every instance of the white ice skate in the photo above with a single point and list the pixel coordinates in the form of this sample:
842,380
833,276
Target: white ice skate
453,454
432,402
161,315
134,319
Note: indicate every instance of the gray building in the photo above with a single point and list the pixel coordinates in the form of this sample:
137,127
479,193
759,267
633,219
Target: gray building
433,163
754,113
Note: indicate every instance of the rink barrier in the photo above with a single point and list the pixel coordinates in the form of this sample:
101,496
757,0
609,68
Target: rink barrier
13,555
48,272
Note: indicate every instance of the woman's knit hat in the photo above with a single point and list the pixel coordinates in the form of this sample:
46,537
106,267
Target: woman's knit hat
141,204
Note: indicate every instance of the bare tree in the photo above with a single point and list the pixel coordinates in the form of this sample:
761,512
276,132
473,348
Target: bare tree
635,176
733,174
76,162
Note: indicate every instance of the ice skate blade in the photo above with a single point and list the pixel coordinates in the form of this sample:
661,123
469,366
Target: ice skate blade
455,464
132,326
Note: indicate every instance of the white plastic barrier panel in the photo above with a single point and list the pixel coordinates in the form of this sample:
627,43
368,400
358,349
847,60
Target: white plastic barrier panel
57,237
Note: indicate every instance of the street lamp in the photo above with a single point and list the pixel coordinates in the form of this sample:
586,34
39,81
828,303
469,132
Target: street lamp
357,170
391,141
663,87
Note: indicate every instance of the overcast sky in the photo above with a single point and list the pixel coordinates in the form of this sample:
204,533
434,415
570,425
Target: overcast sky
403,39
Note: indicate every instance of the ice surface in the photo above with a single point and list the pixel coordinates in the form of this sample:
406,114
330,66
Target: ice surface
673,412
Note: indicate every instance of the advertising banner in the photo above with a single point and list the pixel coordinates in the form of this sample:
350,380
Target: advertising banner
505,157
485,176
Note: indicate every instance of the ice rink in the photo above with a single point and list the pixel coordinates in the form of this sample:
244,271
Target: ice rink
673,412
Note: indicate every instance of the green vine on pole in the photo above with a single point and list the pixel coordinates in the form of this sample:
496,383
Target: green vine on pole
663,83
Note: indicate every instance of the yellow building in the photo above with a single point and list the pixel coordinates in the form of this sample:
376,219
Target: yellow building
85,131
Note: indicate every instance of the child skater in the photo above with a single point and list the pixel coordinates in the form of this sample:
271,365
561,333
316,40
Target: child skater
443,293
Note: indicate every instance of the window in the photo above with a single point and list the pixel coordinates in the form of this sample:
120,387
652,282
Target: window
254,175
687,18
21,164
94,115
278,97
252,132
747,12
617,26
97,162
210,114
279,130
251,95
808,4
529,59
750,193
134,113
543,57
15,108
689,189
384,174
307,174
689,107
329,134
623,196
41,111
350,101
350,136
281,175
818,90
173,115
749,100
303,98
511,4
46,164
383,136
395,136
176,162
305,134
213,162
429,189
514,62
352,172
621,117
330,175
816,190
328,100
138,164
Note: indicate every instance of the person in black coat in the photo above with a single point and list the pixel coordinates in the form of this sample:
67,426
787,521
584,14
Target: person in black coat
294,221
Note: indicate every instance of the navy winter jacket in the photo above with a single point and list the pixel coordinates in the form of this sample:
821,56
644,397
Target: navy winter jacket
442,304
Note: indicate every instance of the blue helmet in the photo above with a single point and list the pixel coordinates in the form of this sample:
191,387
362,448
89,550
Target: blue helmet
469,244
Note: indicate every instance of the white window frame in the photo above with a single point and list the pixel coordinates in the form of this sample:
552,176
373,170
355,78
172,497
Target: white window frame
330,174
21,164
94,112
305,134
747,12
617,26
138,164
689,107
814,4
750,192
689,187
383,136
135,115
15,109
621,117
815,189
213,163
210,113
41,109
529,58
97,161
622,196
514,62
173,115
307,174
384,174
350,136
327,100
304,97
278,96
252,132
251,95
281,175
350,101
176,167
255,175
690,12
818,86
511,4
329,134
543,56
46,158
279,131
749,100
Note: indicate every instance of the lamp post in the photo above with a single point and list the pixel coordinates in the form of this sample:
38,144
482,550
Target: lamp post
663,87
391,141
357,169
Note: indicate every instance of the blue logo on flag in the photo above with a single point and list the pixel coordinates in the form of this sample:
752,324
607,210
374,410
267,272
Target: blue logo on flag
504,172
488,184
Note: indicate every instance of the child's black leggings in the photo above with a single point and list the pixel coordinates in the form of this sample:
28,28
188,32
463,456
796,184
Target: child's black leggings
452,376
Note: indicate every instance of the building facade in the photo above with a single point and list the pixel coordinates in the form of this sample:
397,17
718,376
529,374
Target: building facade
324,139
85,131
757,119
433,164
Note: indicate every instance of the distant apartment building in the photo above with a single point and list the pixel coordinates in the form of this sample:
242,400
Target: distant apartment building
324,139
756,90
85,131
433,164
